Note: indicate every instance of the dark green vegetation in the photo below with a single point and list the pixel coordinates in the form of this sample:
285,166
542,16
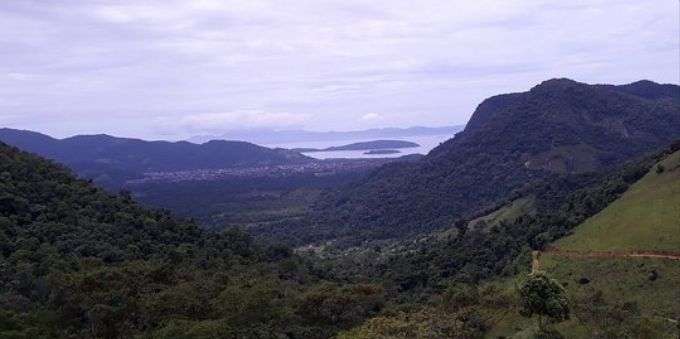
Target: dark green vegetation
556,156
250,203
608,297
255,200
111,161
77,262
614,287
363,146
545,298
261,202
476,252
558,128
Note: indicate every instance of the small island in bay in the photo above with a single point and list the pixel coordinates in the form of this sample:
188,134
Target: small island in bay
364,146
382,151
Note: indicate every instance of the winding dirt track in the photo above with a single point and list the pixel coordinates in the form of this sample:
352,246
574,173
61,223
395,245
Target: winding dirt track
609,254
536,255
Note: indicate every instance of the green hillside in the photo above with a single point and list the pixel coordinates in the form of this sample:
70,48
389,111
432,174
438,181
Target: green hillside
641,292
77,262
609,297
559,128
517,208
645,218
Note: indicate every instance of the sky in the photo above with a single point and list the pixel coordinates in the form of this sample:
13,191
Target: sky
171,69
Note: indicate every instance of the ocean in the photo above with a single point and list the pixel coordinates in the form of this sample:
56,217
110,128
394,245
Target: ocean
427,143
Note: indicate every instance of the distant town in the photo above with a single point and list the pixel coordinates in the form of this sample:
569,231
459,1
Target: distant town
317,168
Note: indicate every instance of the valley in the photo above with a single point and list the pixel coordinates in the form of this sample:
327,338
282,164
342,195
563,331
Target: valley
250,198
240,169
202,242
328,167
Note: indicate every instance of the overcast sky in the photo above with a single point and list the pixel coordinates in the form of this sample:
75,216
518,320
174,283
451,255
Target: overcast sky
171,69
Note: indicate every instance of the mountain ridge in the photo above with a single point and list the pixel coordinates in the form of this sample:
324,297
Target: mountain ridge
98,156
558,127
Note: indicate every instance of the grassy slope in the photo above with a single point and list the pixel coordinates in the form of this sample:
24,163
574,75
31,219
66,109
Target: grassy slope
510,212
646,217
647,211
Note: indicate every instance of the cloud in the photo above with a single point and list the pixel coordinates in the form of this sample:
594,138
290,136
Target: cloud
210,122
371,117
6,118
132,63
20,76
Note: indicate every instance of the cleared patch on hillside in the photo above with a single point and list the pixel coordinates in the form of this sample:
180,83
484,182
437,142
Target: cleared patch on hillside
565,159
507,213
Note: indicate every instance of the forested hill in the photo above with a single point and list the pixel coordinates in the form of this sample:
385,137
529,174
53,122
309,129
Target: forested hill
76,262
557,128
111,160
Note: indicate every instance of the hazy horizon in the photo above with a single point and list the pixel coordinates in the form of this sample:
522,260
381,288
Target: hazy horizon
224,135
174,69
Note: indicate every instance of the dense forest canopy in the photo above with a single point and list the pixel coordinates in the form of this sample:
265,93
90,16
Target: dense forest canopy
79,262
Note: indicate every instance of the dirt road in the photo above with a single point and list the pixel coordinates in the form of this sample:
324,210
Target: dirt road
611,254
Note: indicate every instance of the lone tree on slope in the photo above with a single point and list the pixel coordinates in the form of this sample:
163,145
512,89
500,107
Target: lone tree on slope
542,296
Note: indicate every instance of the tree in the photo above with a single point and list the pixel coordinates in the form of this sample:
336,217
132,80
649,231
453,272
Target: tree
543,296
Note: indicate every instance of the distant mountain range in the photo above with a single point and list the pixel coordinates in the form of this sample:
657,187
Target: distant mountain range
268,136
110,161
560,127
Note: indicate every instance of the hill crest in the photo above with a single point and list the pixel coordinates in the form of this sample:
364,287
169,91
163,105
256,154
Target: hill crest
111,160
559,127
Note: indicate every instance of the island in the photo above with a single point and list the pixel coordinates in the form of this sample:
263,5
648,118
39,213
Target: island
382,151
384,145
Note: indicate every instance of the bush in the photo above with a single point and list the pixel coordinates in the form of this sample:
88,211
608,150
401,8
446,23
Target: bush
660,169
